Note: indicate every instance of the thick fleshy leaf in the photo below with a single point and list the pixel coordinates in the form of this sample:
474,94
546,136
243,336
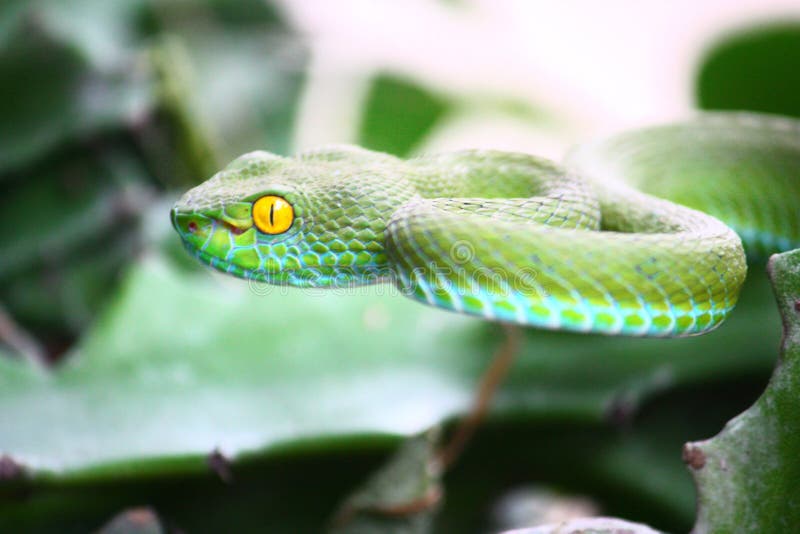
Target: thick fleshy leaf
747,476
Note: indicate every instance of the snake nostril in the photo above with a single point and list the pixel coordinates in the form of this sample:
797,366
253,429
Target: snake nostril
192,226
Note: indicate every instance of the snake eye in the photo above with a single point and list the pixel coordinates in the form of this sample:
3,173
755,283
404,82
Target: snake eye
272,214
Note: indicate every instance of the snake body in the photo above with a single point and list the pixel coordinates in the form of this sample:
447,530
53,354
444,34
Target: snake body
643,233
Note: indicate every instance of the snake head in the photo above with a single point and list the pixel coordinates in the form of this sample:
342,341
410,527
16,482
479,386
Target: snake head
316,220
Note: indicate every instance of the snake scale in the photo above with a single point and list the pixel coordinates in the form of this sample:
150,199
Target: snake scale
645,233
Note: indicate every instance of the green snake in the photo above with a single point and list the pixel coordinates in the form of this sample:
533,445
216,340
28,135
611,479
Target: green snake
643,233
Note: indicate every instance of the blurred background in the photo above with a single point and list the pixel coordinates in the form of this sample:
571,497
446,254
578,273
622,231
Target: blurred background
132,377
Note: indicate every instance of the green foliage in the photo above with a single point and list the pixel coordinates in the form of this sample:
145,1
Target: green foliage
65,76
98,115
69,207
754,70
398,114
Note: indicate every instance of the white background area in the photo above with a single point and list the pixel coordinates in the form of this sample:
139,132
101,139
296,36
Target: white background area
594,66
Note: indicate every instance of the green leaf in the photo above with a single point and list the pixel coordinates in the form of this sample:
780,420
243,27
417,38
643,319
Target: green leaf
747,475
753,70
75,224
631,471
248,86
69,203
242,75
247,12
398,114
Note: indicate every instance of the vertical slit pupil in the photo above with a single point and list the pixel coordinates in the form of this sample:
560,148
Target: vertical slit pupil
272,214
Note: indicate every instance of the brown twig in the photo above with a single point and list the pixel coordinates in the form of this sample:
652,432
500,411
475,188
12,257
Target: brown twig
431,499
490,381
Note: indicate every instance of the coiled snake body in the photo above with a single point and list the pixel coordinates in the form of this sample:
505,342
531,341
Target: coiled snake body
643,233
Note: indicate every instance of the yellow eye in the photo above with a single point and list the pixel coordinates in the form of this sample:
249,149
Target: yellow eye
272,215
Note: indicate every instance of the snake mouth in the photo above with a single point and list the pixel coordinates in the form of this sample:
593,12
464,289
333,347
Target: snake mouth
190,221
211,240
232,228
